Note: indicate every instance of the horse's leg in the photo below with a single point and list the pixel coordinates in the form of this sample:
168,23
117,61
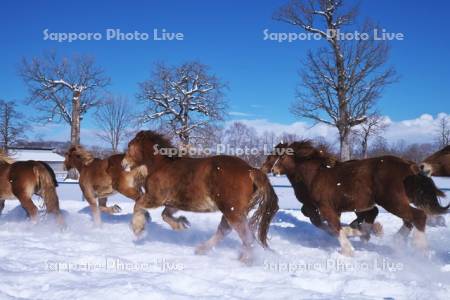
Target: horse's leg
179,223
365,222
2,206
411,215
222,231
335,227
245,234
404,231
140,214
109,210
24,192
313,215
90,198
29,207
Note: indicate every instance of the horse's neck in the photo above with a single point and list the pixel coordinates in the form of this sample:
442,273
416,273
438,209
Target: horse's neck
80,165
305,173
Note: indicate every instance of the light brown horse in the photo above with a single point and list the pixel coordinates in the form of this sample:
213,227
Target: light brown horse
21,180
100,178
437,164
223,183
388,181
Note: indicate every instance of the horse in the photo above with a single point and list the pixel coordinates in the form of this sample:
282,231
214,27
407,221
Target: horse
23,179
100,178
437,164
365,220
218,183
388,181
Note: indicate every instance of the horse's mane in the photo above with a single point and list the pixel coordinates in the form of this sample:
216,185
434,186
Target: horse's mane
155,137
4,158
85,156
320,152
445,150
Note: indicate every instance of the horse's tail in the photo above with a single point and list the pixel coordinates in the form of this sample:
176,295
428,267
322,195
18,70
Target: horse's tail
423,193
47,188
266,202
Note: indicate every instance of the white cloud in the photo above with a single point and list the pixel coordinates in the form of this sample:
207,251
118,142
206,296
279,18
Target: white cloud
420,130
239,114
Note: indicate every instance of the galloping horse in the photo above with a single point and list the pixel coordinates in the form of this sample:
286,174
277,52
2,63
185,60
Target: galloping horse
365,219
100,178
20,180
223,183
388,181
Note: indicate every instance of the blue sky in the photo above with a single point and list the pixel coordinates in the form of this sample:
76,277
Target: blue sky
228,36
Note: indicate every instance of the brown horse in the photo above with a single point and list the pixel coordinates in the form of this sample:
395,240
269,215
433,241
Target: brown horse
100,178
437,164
223,183
21,180
388,181
365,220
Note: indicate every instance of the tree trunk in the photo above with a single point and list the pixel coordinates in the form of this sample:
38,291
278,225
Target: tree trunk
75,126
344,139
364,149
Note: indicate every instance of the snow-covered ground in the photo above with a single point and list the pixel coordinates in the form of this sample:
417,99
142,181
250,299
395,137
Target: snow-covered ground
40,262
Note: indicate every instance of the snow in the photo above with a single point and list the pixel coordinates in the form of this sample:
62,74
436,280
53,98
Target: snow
36,154
82,262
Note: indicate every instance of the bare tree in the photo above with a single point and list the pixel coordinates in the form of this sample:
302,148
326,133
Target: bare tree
114,119
242,139
443,136
186,98
11,125
63,88
341,81
372,127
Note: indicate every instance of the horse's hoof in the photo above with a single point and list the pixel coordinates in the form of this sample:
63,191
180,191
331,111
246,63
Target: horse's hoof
182,223
148,218
347,252
116,209
246,258
377,229
202,250
364,238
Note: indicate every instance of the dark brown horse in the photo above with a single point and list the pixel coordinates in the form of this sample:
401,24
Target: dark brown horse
223,183
365,219
437,164
100,178
21,180
388,181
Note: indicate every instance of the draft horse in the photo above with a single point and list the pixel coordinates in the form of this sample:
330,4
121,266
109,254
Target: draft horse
218,183
365,219
388,181
21,180
100,178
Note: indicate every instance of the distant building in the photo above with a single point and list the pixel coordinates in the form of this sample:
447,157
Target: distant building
47,155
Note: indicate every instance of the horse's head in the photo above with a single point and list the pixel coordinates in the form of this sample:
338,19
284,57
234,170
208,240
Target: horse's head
143,148
270,160
437,164
284,164
76,157
134,155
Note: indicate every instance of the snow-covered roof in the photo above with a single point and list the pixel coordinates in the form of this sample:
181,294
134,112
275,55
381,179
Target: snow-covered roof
47,155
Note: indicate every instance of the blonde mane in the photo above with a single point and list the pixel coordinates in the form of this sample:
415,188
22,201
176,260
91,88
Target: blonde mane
4,158
85,156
